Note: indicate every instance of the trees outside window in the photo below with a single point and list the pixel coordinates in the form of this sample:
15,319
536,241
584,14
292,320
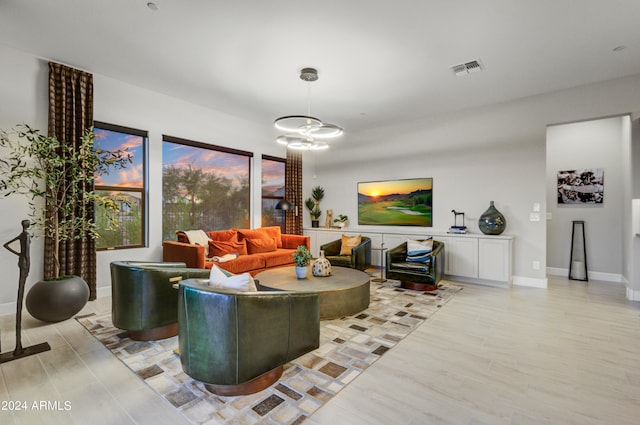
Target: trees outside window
272,190
203,187
127,186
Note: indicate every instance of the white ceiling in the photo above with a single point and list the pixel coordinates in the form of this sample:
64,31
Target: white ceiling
379,61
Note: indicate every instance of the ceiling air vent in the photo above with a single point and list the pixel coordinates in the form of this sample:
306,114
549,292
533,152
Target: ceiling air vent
467,67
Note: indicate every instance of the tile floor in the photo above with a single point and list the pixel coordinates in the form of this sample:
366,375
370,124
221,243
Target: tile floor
566,355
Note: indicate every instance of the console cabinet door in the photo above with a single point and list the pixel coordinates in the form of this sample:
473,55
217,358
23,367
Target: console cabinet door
461,256
494,259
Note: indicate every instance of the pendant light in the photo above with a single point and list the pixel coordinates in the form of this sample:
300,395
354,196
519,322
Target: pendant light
302,131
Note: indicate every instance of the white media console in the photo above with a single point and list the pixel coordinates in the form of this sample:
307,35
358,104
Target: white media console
470,258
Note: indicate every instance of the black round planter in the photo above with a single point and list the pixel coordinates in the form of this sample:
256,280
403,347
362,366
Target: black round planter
57,300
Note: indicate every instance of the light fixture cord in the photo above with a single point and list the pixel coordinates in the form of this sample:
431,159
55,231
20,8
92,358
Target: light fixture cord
308,98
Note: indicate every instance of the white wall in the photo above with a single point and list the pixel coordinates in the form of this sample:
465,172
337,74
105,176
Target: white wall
465,180
589,144
23,89
492,153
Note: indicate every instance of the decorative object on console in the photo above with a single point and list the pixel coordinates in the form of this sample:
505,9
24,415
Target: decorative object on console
406,202
303,130
460,229
492,222
328,221
341,220
321,266
313,205
301,257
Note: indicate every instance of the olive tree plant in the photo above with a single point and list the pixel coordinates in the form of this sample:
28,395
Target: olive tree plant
55,176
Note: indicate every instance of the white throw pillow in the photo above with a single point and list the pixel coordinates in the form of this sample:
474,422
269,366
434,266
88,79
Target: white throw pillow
239,282
217,276
419,247
198,237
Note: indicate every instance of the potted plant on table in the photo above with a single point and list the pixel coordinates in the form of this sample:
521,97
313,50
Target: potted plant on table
55,176
341,220
313,205
301,257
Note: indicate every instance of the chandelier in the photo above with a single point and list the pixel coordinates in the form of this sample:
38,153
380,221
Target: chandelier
305,132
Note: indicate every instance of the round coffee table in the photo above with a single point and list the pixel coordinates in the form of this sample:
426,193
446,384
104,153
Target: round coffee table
343,293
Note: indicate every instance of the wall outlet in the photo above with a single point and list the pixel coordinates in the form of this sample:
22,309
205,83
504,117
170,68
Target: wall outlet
536,265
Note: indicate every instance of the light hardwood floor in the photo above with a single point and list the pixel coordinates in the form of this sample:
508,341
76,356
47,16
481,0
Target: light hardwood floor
569,354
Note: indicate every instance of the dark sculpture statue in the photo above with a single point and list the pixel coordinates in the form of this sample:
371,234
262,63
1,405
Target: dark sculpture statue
24,263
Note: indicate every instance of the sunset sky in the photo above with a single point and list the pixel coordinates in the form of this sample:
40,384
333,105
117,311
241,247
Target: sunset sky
272,176
394,186
231,166
133,174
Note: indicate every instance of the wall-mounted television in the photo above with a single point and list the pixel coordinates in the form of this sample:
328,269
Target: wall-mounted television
407,202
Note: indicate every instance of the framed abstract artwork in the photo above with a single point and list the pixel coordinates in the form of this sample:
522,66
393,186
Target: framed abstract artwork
581,186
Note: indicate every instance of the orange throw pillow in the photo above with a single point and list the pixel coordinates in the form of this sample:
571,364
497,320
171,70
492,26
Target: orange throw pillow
348,243
273,232
256,246
252,234
220,248
223,235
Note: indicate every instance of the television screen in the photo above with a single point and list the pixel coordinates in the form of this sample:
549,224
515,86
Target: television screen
405,202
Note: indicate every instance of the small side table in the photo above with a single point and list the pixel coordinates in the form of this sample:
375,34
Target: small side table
382,249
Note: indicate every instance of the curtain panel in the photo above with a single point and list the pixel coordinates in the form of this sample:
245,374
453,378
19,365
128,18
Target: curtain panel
293,192
70,114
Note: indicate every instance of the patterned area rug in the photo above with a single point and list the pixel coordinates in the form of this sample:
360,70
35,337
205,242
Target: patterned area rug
348,346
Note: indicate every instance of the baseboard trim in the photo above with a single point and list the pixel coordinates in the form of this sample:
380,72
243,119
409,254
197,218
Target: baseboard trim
633,294
7,308
103,291
605,277
529,282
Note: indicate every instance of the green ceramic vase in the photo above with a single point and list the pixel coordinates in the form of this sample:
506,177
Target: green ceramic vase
492,222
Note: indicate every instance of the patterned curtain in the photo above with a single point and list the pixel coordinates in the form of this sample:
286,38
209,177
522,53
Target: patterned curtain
293,192
70,114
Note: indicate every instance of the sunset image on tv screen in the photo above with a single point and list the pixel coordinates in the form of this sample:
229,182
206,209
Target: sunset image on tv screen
396,202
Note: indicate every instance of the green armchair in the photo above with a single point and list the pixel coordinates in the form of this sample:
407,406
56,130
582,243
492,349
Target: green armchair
237,342
360,257
143,299
421,277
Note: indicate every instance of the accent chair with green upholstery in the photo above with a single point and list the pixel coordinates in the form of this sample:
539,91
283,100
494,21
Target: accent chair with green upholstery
143,299
360,257
418,276
237,342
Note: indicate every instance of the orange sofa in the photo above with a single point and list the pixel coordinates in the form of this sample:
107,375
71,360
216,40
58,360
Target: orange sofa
258,249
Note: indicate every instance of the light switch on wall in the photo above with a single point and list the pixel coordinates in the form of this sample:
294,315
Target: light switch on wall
534,216
536,207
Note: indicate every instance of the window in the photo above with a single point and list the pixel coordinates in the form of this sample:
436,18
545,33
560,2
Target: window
272,190
128,186
203,187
